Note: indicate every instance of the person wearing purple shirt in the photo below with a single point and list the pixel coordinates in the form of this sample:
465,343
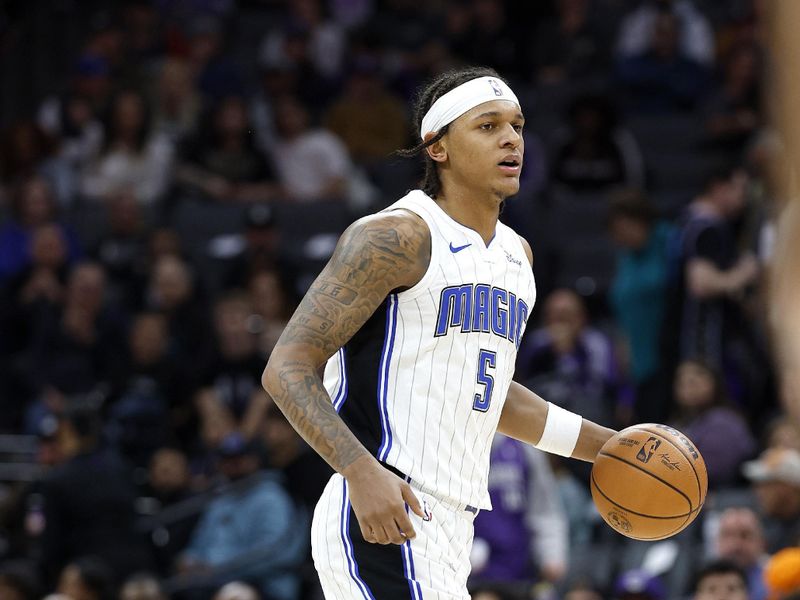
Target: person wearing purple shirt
525,535
571,362
720,433
32,206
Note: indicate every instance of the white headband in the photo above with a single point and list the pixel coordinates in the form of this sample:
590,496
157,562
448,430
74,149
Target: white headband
465,97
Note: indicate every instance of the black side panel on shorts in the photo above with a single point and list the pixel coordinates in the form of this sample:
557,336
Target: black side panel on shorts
362,363
380,567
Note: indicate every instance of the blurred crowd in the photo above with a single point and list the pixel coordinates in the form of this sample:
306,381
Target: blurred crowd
174,173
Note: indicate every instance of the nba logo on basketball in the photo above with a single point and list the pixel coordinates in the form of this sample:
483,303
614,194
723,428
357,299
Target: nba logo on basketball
648,449
495,88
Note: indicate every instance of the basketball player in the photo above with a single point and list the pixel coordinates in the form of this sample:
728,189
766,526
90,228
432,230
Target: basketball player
417,319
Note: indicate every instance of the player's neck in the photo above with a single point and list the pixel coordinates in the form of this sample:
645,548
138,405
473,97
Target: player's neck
478,211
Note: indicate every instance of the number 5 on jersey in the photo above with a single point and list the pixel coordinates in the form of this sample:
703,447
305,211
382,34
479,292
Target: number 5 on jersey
486,360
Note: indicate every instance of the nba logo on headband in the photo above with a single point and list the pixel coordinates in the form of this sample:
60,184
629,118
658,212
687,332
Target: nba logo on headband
495,87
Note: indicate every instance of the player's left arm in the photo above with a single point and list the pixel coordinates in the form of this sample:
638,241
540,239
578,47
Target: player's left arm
525,415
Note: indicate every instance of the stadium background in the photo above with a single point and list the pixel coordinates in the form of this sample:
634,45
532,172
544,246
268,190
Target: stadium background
174,173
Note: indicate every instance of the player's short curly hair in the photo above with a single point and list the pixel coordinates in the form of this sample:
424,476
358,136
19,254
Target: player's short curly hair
429,94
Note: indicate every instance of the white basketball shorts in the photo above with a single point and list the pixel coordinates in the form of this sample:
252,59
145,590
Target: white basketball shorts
433,566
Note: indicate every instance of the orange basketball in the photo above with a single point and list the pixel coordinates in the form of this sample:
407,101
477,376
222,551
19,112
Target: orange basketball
649,481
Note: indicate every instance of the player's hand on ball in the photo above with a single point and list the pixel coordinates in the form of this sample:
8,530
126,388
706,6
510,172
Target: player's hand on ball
379,499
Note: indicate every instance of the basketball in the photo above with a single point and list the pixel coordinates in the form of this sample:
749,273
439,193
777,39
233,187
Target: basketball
649,482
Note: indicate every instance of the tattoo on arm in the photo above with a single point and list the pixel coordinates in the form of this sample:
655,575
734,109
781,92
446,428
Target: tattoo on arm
375,256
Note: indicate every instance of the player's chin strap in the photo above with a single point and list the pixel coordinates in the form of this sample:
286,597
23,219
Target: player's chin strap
561,431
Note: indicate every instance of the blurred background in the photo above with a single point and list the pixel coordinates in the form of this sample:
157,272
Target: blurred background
174,174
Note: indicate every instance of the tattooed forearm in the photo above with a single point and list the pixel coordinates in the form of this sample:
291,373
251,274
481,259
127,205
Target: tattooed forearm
308,407
375,256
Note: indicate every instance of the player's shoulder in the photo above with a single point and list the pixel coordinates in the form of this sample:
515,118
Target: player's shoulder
398,225
396,236
527,247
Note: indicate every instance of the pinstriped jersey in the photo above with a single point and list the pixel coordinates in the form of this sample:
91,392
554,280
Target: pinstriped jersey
423,382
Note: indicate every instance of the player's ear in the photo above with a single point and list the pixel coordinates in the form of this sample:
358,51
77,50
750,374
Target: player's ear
438,150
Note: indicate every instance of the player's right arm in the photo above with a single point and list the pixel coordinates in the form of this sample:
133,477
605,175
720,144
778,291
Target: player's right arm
375,255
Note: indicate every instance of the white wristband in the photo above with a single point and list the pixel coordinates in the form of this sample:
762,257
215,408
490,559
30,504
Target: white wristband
561,431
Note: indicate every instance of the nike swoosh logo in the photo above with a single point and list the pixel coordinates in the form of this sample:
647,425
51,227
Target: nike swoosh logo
455,249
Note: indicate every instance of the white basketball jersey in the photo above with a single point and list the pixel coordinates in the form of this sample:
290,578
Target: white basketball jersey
423,382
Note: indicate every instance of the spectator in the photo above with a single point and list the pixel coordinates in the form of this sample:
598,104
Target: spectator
155,380
256,249
308,39
177,103
224,162
638,296
73,117
400,27
34,293
249,530
696,40
75,346
18,581
313,164
86,578
172,292
274,83
494,39
168,476
231,382
569,46
141,587
582,591
132,156
720,580
594,152
783,432
524,537
569,361
662,78
350,13
122,248
712,271
163,242
740,539
733,111
701,412
73,120
782,573
271,304
174,512
43,279
370,120
215,74
82,518
144,36
577,505
26,151
638,584
494,592
32,206
236,590
776,477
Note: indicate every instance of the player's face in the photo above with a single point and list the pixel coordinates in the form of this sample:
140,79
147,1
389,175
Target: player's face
722,586
485,147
